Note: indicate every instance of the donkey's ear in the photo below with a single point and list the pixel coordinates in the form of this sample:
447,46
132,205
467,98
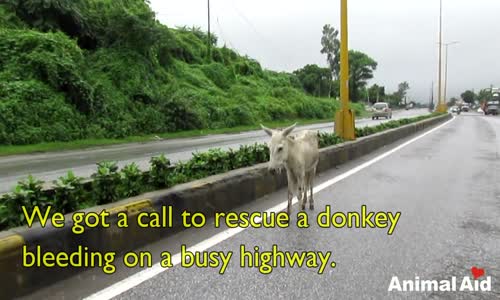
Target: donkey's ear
267,130
289,130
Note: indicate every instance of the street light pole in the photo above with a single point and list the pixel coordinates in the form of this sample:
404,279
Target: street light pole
441,106
344,118
209,39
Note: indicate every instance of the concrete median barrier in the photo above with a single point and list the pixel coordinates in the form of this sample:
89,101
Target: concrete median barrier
219,193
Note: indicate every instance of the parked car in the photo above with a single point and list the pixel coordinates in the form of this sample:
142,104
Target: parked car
381,110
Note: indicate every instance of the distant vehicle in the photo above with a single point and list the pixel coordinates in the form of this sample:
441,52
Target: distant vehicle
491,107
410,106
465,108
454,109
381,110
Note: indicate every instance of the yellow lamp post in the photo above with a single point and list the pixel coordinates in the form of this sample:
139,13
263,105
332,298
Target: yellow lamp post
344,118
441,107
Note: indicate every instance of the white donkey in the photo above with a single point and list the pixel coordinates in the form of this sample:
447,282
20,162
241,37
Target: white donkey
299,155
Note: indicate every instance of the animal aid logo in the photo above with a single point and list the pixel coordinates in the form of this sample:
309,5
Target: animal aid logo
477,283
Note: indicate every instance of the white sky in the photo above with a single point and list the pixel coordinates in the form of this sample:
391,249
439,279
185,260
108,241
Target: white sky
401,35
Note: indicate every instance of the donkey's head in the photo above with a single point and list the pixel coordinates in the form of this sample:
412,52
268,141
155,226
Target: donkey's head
278,146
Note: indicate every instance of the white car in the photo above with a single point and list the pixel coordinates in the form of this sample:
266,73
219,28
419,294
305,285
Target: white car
381,110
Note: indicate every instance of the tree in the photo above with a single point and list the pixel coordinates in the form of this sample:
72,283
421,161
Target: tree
403,87
397,98
468,96
400,94
376,92
361,68
484,95
315,80
331,47
452,101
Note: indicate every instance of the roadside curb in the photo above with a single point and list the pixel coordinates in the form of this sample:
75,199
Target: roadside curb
218,193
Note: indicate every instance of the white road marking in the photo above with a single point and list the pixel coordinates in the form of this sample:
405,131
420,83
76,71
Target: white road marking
138,278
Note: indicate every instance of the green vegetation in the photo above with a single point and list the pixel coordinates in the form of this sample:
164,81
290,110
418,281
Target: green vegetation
468,96
72,70
364,131
87,143
317,81
361,66
325,81
110,184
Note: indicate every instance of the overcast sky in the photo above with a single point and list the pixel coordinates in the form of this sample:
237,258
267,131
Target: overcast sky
401,35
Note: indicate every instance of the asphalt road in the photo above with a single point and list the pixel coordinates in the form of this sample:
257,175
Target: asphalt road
446,186
50,166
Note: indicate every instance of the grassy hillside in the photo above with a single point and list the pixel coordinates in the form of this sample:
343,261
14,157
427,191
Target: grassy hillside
80,69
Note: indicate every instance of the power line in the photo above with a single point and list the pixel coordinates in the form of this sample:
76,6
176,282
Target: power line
261,36
247,21
223,35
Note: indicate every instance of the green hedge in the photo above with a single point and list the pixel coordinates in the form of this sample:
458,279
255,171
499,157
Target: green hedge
110,184
364,131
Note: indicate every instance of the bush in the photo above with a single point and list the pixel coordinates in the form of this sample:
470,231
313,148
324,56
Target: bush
52,58
180,111
219,75
106,183
159,172
32,113
28,193
131,181
204,164
328,139
278,111
250,155
315,109
238,115
68,193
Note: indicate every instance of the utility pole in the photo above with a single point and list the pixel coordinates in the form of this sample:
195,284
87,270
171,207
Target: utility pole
209,42
367,96
431,104
344,118
330,87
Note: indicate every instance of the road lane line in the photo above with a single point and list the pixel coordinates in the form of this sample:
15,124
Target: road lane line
140,277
